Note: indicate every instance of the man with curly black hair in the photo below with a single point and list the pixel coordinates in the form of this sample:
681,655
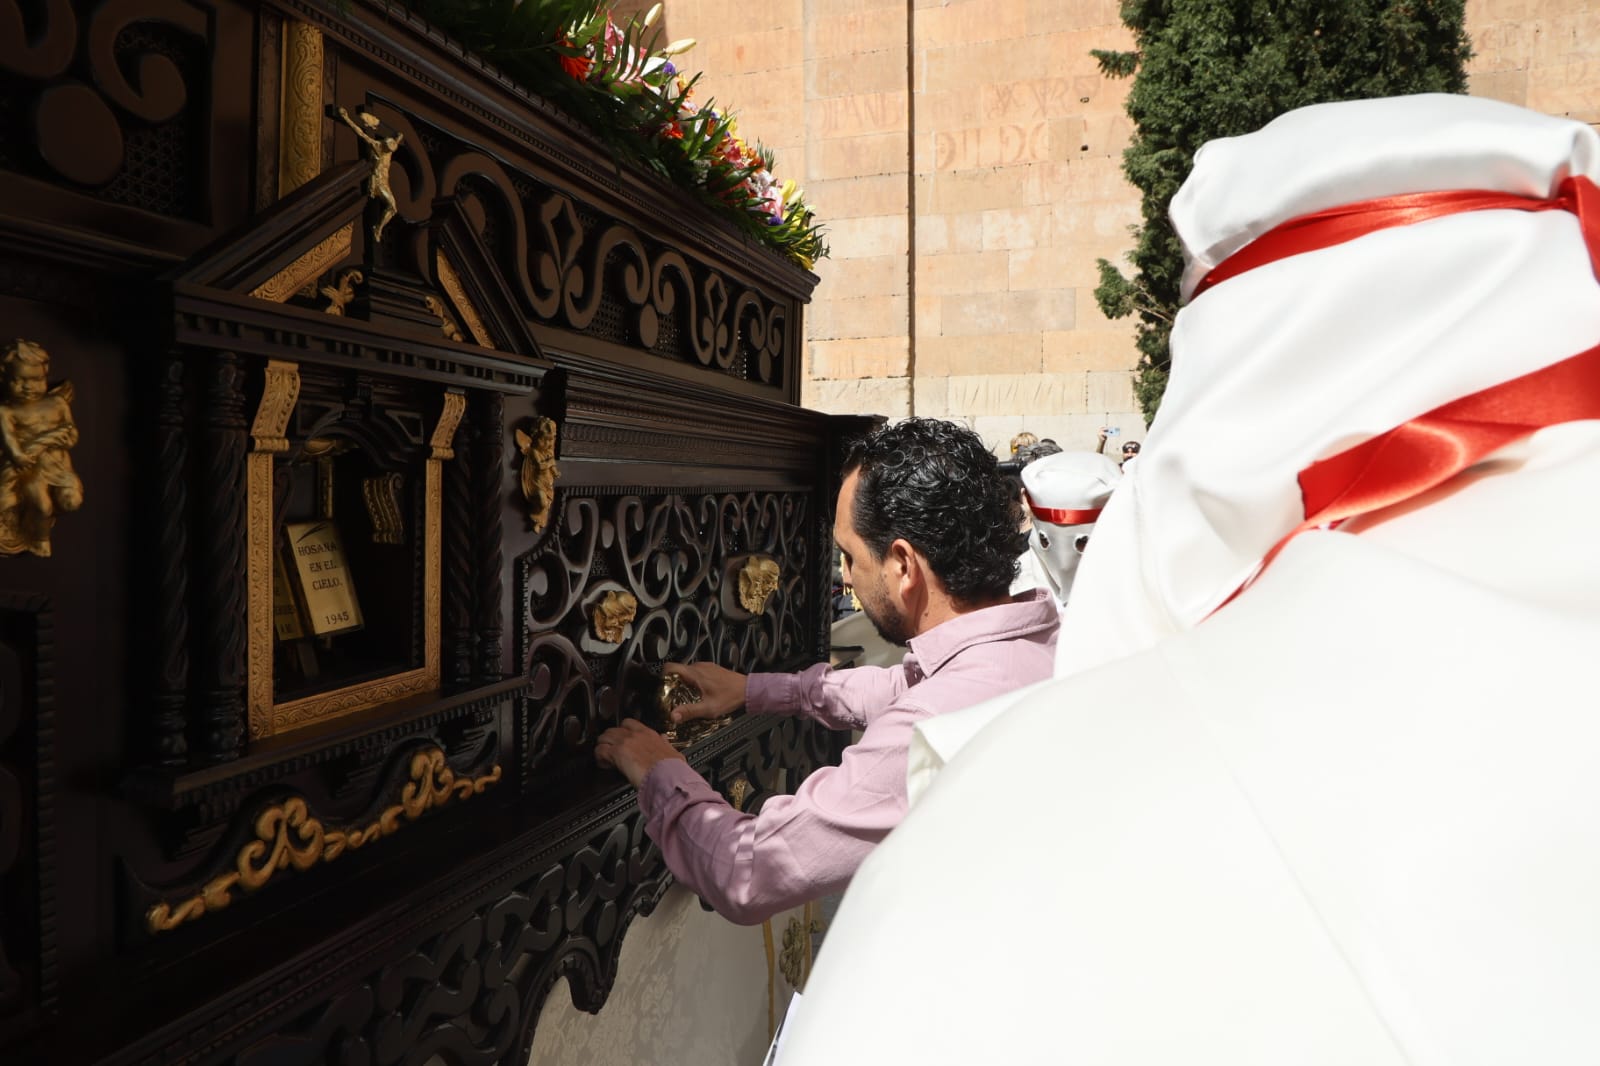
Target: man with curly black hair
929,538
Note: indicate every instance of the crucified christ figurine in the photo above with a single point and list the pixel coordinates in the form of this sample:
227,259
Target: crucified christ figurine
382,154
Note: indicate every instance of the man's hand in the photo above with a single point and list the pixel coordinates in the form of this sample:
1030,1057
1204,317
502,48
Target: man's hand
721,690
632,748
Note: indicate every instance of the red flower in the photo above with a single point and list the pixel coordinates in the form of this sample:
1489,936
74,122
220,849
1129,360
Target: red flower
672,131
576,66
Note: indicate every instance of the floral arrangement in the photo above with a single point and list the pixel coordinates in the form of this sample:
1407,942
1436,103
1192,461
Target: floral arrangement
618,79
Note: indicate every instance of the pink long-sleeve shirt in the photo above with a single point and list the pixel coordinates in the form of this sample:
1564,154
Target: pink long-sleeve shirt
751,866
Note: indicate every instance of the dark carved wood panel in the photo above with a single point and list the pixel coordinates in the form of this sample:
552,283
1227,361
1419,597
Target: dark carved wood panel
413,875
27,821
678,555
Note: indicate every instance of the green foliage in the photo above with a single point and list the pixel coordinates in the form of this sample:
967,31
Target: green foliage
1221,68
620,82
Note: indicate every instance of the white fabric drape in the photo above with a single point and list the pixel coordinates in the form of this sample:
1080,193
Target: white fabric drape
1354,817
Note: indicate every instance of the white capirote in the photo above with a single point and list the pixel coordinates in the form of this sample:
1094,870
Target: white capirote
1354,817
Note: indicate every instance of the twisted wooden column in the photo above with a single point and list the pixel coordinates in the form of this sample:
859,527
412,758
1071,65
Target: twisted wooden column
169,701
459,558
489,457
222,615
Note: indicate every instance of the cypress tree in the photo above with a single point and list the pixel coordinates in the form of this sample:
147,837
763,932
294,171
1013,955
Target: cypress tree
1219,68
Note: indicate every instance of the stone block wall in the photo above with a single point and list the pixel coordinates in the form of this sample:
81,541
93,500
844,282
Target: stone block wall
966,156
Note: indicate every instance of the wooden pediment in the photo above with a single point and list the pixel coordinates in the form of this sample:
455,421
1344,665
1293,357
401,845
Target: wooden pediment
290,244
313,252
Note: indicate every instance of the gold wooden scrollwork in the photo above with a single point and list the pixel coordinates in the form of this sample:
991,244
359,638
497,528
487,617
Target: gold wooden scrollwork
292,278
450,281
341,292
739,791
300,123
758,580
539,471
280,391
381,494
447,324
287,836
37,481
795,959
444,434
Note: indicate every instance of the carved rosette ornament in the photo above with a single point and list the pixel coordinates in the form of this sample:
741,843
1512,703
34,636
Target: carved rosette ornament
612,616
539,471
758,580
37,481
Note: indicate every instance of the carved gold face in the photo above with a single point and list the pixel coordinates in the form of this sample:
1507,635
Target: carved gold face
612,615
758,580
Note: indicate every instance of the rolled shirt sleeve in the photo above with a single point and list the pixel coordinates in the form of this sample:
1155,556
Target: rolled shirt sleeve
751,866
839,699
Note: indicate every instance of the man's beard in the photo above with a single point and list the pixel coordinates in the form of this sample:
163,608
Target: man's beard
886,619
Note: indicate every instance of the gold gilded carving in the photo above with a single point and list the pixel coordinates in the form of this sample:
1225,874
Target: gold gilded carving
433,512
539,471
382,497
286,621
268,718
341,292
451,282
674,693
795,959
260,610
281,717
295,713
280,389
758,580
324,576
612,615
300,123
288,837
37,481
447,325
292,278
444,434
380,150
739,791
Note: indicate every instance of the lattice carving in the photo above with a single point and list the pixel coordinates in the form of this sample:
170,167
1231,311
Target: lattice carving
134,140
570,265
679,557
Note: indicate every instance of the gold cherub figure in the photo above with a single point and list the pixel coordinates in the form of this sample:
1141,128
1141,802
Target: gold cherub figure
36,477
539,471
382,154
